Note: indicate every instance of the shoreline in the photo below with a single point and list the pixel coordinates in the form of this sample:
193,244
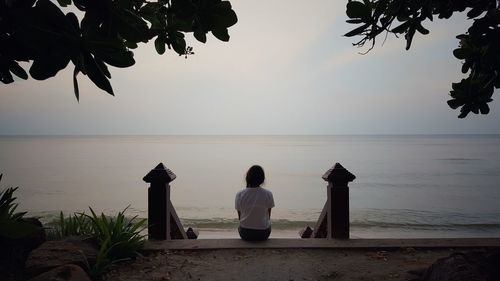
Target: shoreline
229,229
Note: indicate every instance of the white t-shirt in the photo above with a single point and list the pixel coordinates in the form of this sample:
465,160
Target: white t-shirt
253,203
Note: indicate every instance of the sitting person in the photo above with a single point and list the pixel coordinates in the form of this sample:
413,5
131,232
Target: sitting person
254,205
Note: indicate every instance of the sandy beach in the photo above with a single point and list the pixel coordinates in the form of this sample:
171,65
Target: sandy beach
279,264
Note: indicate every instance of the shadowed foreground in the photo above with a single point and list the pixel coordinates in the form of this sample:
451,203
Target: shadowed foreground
280,264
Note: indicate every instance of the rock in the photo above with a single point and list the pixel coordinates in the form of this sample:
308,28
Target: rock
306,232
38,237
15,251
69,272
52,254
472,266
192,233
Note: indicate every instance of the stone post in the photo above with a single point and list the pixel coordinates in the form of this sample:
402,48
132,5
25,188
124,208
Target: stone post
338,201
159,225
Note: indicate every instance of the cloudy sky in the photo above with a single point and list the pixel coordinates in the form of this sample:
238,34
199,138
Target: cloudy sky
287,69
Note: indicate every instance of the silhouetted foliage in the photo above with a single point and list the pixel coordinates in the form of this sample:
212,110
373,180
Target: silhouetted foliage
12,225
479,47
38,31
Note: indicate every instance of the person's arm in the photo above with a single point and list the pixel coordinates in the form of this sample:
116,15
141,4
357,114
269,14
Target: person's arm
271,203
237,205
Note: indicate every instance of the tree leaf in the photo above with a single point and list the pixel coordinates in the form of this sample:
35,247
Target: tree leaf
221,34
466,66
150,8
222,15
358,10
102,66
409,37
95,74
178,42
356,31
130,25
464,112
104,44
160,45
64,3
475,12
484,108
131,45
81,4
50,15
455,103
18,70
117,59
5,76
73,20
354,21
75,86
182,25
200,35
462,53
48,64
497,82
25,4
422,29
402,27
380,7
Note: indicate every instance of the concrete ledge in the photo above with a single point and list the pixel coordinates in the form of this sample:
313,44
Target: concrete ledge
213,244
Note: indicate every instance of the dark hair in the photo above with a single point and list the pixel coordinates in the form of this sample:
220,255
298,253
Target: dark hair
255,176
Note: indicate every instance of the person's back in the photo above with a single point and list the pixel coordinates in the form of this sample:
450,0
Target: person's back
254,205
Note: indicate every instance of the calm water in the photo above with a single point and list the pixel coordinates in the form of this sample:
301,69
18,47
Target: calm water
406,186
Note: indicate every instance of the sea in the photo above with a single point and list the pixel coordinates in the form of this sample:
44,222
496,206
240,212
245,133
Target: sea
406,186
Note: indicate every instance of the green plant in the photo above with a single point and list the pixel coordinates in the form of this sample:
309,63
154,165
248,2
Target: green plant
12,225
118,238
77,224
103,262
121,237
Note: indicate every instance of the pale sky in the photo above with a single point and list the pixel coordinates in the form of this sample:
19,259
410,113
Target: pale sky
287,69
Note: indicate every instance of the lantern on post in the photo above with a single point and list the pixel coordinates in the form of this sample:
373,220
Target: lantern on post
163,222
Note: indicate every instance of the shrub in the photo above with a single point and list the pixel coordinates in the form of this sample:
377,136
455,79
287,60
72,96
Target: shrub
118,238
12,225
77,224
121,235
